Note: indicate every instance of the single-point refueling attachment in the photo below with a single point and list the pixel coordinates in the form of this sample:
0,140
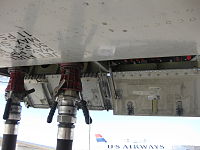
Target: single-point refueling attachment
68,98
15,93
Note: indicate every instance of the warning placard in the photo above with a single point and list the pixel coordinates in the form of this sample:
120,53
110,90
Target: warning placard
23,45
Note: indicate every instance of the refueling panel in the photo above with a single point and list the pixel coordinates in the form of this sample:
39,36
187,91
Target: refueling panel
172,92
157,93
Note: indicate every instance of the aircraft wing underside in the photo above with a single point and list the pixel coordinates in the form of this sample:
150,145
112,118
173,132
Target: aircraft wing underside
50,32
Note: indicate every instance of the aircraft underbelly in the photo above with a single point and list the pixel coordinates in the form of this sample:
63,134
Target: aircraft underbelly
35,32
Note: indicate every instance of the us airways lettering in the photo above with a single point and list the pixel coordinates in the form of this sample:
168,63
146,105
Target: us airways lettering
135,146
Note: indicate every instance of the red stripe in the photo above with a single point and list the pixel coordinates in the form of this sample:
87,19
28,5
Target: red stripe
98,135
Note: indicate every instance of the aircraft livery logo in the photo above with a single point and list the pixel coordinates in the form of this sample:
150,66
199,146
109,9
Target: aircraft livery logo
141,146
99,138
135,147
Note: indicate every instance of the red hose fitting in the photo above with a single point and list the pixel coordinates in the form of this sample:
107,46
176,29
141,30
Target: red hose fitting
70,72
16,82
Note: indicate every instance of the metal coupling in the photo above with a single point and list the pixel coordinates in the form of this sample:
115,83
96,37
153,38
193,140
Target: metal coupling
15,112
65,133
66,116
66,119
11,129
71,110
67,111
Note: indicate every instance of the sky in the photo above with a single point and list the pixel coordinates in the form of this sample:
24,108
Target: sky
166,130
